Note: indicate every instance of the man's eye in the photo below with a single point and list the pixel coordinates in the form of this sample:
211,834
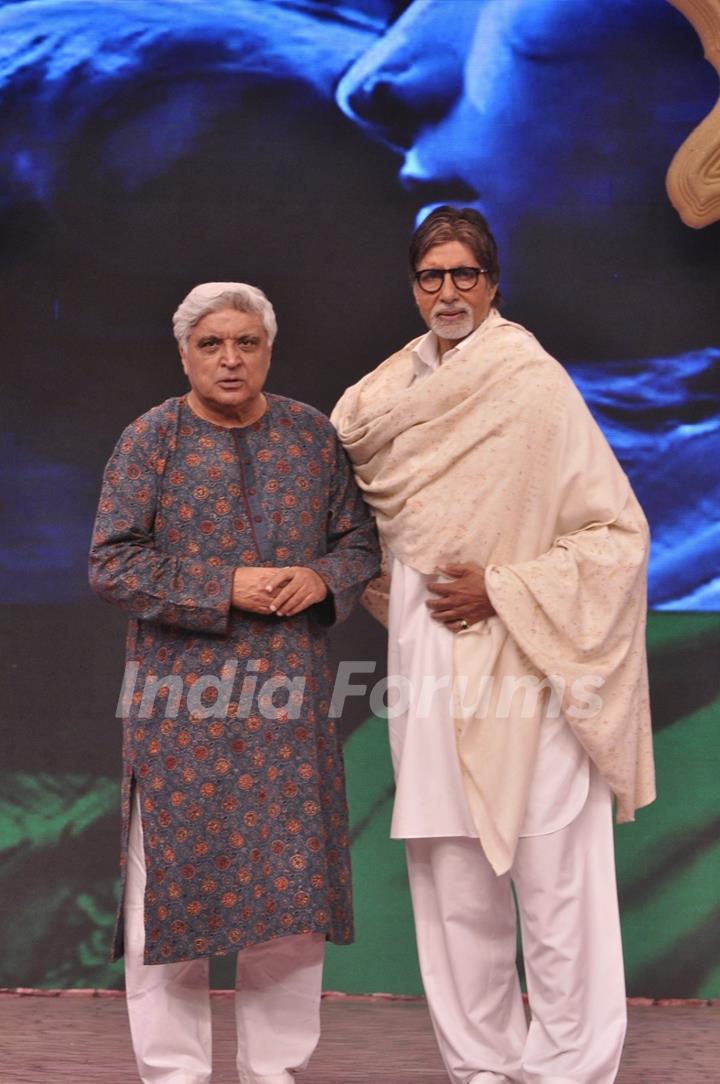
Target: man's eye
247,343
204,344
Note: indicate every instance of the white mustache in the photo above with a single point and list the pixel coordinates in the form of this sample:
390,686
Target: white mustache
444,311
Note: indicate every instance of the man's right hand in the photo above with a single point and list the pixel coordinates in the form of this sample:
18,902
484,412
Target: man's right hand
249,590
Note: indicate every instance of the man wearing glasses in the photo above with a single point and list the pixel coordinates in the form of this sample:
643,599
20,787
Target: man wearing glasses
514,594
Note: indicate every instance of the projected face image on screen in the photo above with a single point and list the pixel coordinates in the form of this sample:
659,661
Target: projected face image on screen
556,118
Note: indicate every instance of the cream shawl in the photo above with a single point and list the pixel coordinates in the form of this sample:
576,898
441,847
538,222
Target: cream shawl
495,458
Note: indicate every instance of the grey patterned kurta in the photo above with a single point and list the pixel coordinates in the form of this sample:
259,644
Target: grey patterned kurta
241,782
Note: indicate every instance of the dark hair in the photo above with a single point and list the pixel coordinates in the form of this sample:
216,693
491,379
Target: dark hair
452,224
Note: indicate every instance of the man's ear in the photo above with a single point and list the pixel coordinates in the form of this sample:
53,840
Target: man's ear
181,352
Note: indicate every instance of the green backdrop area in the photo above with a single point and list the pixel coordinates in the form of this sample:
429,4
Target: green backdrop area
58,839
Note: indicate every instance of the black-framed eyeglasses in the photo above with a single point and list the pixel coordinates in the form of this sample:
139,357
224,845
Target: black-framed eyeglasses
431,279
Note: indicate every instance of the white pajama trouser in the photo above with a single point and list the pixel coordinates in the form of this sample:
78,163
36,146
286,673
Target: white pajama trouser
277,1000
465,925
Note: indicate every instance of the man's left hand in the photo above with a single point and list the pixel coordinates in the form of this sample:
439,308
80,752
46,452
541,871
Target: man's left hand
463,599
297,588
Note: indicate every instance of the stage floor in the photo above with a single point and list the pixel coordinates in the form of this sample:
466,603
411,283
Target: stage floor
83,1039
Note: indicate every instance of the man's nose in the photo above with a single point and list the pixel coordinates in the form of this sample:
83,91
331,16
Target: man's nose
414,74
230,353
448,291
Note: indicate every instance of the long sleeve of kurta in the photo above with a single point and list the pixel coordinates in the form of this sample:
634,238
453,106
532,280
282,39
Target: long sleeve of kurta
353,553
127,568
376,597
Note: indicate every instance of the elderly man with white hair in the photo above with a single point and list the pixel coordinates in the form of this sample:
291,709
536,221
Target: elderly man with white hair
231,531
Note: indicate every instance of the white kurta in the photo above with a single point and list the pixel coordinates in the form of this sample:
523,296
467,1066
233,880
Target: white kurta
430,798
429,794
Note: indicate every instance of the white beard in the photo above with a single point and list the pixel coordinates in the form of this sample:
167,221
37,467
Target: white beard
451,329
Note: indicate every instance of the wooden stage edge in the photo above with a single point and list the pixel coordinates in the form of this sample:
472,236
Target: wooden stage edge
82,1036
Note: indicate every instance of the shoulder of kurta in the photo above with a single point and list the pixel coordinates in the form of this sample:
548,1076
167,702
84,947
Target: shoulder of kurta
299,413
154,424
295,407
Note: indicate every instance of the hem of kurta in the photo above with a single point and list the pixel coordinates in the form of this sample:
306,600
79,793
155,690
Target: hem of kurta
118,945
150,959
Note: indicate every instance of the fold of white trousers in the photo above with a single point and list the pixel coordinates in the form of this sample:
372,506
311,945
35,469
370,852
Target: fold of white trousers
277,999
466,934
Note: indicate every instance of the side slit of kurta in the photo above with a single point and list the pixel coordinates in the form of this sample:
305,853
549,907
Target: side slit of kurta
119,935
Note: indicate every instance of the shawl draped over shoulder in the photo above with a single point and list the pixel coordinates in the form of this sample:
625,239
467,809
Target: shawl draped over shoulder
494,458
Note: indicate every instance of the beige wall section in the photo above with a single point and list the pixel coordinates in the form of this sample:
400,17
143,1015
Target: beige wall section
693,179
